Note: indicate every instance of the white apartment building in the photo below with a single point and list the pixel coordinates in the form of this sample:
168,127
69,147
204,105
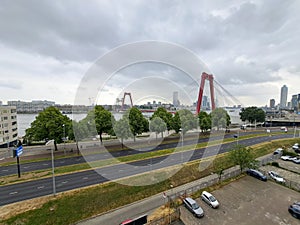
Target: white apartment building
8,126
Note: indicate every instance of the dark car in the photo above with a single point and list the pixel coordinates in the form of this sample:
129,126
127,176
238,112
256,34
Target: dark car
193,207
294,210
256,174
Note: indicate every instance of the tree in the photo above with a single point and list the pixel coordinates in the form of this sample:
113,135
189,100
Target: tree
122,129
176,123
158,125
204,121
102,119
220,118
164,115
242,156
188,120
253,114
138,123
48,125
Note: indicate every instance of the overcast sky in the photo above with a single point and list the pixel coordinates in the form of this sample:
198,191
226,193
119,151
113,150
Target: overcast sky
251,47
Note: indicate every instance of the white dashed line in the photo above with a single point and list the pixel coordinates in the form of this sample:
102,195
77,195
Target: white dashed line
41,187
45,164
64,182
13,193
85,178
5,170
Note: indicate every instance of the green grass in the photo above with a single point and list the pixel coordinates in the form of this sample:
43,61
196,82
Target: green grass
72,207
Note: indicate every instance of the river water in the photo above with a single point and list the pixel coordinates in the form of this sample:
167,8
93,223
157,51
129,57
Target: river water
24,120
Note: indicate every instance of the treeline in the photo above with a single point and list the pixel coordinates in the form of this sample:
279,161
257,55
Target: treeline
52,124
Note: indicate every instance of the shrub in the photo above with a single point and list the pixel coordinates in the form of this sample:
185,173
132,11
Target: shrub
293,154
276,164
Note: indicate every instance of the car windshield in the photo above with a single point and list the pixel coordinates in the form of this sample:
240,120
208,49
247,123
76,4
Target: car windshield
195,206
212,198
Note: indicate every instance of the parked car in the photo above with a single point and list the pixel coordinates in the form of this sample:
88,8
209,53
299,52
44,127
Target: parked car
256,174
296,160
278,151
294,210
295,146
193,207
287,158
276,177
210,199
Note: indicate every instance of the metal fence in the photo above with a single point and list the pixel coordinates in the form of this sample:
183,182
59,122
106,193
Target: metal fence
288,183
167,219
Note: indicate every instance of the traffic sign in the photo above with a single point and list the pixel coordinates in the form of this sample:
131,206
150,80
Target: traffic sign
19,151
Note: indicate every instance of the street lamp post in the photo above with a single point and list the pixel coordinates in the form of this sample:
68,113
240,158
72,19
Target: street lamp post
236,136
52,160
64,138
181,132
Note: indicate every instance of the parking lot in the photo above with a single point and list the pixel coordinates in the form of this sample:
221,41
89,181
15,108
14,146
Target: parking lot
247,201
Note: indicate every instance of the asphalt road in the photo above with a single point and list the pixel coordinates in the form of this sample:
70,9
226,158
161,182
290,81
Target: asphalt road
42,165
31,189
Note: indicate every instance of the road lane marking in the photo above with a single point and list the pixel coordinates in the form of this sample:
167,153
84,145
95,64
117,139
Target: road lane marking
64,182
5,170
85,178
45,164
40,187
13,193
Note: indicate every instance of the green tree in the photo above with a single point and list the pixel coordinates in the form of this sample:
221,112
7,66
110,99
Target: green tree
188,120
220,118
138,123
253,114
242,156
122,129
164,115
158,125
204,121
100,118
176,123
49,124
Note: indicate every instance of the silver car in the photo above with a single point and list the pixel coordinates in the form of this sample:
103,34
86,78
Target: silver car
209,199
193,207
275,176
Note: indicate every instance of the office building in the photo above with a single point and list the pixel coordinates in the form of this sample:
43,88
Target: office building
283,96
31,107
8,126
176,101
272,103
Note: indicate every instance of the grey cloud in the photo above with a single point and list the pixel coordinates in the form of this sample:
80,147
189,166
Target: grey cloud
10,84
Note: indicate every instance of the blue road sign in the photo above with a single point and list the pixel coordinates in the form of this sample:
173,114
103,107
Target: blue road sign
19,150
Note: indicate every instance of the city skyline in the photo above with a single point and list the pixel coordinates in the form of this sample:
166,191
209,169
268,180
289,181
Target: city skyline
250,47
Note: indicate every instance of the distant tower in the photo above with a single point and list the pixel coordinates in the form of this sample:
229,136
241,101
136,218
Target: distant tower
283,96
175,99
204,102
272,103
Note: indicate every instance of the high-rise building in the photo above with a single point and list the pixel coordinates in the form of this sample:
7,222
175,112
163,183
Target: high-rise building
294,101
283,96
8,126
272,103
175,99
